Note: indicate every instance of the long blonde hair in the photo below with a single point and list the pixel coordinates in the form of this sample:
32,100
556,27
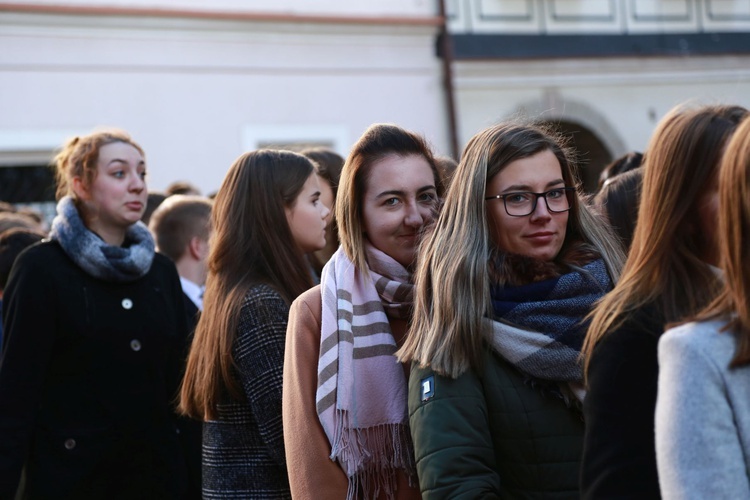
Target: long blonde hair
251,244
664,266
734,243
452,278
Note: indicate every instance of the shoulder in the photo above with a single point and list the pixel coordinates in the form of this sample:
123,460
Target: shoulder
704,338
262,293
311,301
642,328
162,262
263,303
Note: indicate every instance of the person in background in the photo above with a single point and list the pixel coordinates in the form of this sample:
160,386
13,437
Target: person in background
515,263
344,401
155,198
625,163
267,215
618,200
182,187
12,243
328,165
181,227
447,167
94,331
669,276
702,407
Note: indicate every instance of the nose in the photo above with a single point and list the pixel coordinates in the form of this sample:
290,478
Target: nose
137,183
413,217
541,211
324,213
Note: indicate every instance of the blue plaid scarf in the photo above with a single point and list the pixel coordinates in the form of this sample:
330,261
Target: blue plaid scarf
539,327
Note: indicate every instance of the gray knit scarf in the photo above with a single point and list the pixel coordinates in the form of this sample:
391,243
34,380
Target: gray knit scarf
110,263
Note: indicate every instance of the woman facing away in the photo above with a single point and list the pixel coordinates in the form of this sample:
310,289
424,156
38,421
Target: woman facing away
668,276
267,215
95,331
702,408
345,419
513,266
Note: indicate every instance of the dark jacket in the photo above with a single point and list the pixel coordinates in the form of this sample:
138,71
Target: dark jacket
243,450
491,435
87,381
619,458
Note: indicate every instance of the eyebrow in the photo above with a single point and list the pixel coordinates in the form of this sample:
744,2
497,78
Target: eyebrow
120,160
402,193
524,187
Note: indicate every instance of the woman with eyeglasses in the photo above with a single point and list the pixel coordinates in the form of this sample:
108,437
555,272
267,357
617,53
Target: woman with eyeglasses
504,283
669,275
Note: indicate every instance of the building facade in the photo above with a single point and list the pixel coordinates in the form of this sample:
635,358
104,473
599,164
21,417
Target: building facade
198,83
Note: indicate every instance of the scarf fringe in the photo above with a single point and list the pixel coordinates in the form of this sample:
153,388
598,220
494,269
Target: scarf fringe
372,456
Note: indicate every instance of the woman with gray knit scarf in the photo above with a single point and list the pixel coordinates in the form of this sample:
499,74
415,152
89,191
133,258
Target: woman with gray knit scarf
514,264
96,328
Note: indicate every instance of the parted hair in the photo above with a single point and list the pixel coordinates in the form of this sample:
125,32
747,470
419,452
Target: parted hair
453,270
378,141
251,244
179,219
79,156
664,266
733,301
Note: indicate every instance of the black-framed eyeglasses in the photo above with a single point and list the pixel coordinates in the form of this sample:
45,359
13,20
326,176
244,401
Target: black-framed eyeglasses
523,203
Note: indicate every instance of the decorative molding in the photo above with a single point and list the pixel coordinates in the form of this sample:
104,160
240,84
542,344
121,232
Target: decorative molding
489,46
584,18
689,15
527,17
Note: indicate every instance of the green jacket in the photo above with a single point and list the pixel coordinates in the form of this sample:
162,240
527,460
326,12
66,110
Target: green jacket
492,435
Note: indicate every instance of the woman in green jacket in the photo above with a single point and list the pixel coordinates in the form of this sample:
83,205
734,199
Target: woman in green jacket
504,282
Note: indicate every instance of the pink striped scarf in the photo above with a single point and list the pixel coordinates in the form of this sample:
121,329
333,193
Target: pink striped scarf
362,392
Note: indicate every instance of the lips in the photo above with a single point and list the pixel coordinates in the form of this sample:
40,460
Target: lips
541,237
134,205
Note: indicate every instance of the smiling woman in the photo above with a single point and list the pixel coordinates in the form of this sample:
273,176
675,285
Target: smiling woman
95,329
345,421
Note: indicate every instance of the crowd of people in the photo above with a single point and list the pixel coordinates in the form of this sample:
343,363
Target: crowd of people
392,325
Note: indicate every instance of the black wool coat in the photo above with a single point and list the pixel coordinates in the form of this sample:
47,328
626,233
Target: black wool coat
88,379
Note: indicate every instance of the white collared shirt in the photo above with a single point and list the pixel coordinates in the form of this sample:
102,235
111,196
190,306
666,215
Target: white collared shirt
193,291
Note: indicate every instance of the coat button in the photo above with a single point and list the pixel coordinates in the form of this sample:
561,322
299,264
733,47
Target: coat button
70,444
127,304
135,344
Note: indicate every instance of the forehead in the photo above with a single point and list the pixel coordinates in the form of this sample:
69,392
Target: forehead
399,173
121,151
534,172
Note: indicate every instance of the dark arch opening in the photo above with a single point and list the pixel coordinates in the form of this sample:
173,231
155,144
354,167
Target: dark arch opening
591,152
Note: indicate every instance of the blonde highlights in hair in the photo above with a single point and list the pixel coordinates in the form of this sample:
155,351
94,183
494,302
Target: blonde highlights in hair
453,272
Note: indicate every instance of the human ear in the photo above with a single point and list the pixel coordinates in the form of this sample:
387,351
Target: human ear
198,248
80,189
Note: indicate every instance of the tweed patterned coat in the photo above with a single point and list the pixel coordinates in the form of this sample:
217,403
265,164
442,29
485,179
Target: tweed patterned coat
243,450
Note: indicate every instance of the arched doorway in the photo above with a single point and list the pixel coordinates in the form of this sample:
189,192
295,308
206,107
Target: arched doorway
591,152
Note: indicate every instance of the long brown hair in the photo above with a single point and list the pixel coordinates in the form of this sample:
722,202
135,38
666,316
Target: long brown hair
734,243
453,278
252,243
664,266
377,142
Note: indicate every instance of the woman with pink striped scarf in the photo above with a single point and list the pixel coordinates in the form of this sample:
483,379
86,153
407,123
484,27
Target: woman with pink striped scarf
346,428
